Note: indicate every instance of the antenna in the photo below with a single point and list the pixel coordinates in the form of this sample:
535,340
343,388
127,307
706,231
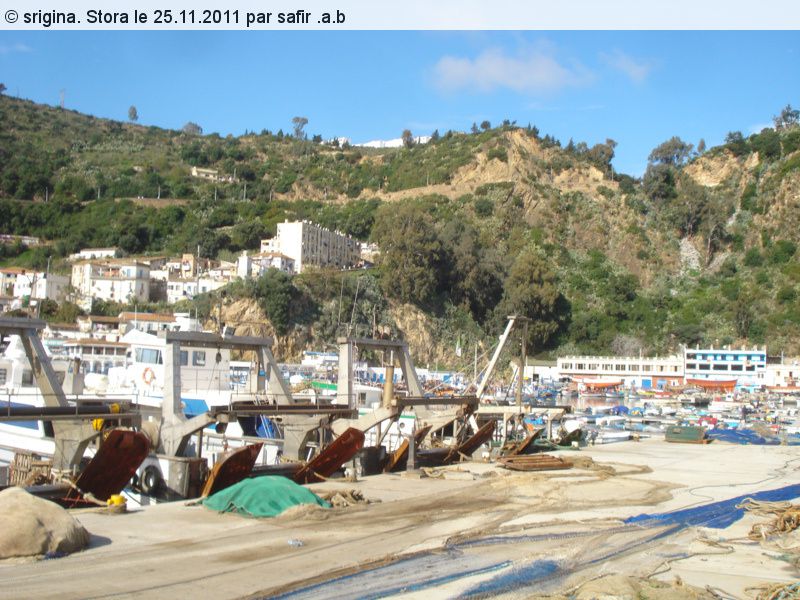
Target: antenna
61,96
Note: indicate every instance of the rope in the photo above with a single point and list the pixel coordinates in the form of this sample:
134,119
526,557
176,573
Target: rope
780,591
786,518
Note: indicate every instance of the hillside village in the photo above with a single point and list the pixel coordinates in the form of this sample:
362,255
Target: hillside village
462,230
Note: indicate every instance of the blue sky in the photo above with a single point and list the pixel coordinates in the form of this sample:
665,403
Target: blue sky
638,88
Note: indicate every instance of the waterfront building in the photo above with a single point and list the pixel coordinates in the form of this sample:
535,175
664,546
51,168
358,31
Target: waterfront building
747,367
628,371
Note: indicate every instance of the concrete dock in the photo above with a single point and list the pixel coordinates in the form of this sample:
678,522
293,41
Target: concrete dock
571,518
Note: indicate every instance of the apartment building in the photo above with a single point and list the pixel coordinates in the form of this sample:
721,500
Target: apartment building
310,245
112,280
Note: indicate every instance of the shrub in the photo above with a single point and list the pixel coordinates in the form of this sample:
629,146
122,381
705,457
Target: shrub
753,258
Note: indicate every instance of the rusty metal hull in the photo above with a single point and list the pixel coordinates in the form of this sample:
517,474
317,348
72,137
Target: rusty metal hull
231,469
398,459
112,467
522,447
483,435
331,459
445,456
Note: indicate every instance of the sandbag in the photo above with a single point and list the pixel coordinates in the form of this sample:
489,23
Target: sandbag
31,526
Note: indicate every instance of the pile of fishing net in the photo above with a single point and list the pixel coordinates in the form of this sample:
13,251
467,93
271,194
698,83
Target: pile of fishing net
31,526
780,533
262,497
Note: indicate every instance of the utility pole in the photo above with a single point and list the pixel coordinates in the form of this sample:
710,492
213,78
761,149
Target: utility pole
523,360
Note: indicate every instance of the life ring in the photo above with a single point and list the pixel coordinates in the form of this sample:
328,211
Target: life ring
151,480
148,376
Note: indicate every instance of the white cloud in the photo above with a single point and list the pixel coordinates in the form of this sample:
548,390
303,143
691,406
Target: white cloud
532,70
637,71
758,127
14,49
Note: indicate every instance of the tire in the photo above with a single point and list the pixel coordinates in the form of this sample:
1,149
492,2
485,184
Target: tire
151,480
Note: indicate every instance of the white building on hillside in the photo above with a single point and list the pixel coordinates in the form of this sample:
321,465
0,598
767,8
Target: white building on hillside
39,285
95,253
117,281
309,244
185,289
20,284
258,264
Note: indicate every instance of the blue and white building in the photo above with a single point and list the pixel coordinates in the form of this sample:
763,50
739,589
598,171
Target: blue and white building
747,366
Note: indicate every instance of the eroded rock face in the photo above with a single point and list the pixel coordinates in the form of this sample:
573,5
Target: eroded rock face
31,526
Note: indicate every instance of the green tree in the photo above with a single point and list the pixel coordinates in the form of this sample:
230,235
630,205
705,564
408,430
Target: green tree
701,146
531,291
3,88
659,182
736,143
789,117
473,272
767,144
299,123
486,125
407,138
192,129
674,152
274,292
133,114
411,253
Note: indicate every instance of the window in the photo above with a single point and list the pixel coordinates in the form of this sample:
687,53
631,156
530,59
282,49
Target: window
3,375
691,365
148,355
184,358
705,367
580,367
647,368
633,367
720,367
198,358
27,377
750,368
619,368
691,356
607,367
736,367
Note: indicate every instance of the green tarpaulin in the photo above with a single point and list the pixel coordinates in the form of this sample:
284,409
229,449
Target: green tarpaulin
262,497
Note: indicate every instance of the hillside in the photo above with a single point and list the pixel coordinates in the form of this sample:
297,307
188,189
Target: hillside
472,227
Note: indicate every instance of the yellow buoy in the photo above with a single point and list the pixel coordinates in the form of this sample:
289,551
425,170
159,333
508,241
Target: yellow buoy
116,500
